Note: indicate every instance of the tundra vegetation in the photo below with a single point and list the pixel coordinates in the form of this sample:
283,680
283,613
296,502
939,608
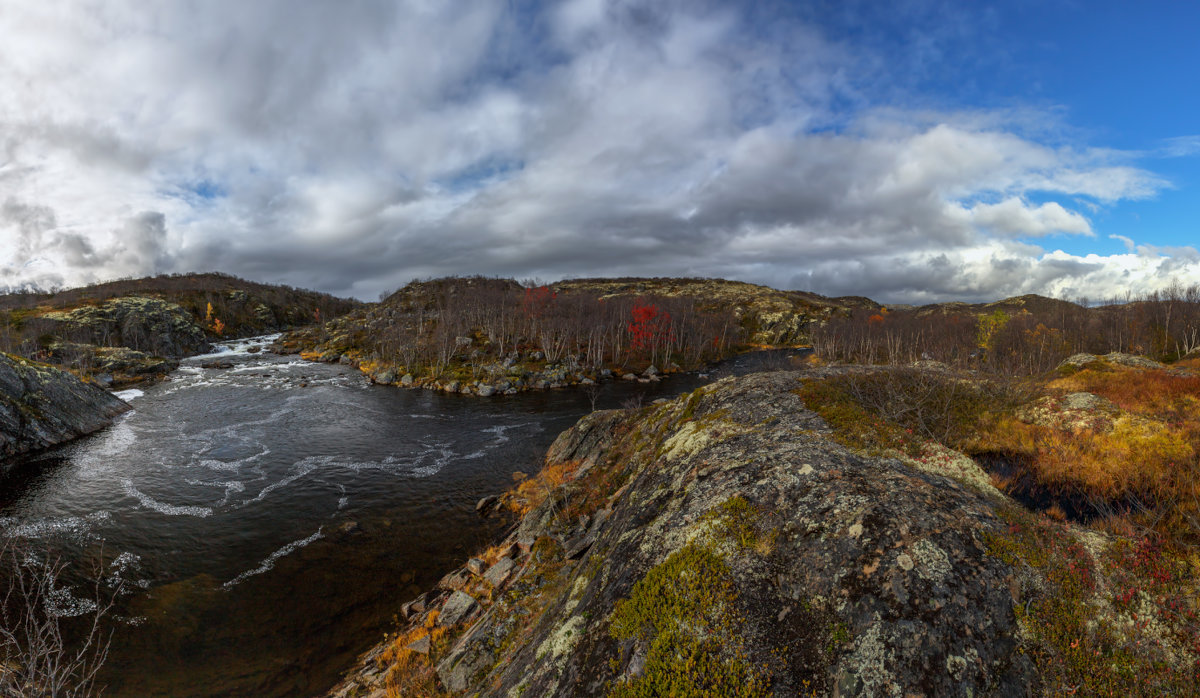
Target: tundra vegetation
1078,424
475,330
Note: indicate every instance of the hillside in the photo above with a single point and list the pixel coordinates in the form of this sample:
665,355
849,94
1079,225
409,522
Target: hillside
736,542
485,336
770,317
130,330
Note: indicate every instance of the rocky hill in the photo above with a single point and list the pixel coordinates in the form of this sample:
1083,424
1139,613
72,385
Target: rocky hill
771,317
41,406
126,331
485,336
723,544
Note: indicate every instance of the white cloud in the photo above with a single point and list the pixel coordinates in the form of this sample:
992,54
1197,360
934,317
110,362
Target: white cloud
353,146
1128,242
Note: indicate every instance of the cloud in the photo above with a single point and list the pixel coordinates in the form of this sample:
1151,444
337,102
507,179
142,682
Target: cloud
352,147
1181,146
1128,242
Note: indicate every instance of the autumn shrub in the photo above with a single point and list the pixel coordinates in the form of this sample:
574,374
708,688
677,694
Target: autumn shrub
1120,625
412,673
899,408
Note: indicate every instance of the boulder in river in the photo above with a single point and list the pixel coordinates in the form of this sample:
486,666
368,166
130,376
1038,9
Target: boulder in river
42,406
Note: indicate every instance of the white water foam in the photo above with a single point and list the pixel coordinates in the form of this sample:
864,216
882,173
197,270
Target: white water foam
269,564
75,527
61,603
120,568
230,487
162,507
129,395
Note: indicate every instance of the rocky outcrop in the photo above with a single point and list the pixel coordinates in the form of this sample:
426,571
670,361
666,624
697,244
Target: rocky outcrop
41,406
1080,361
722,544
111,366
150,325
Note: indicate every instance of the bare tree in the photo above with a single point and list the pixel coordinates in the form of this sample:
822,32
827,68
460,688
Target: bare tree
39,661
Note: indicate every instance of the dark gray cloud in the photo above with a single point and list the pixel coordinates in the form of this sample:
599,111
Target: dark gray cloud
353,146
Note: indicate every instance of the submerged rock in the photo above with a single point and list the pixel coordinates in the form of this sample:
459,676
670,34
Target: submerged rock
41,406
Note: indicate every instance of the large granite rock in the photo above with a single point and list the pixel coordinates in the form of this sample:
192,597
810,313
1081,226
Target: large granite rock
41,406
150,325
733,549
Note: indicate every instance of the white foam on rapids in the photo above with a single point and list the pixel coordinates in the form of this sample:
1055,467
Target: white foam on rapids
269,563
162,507
129,395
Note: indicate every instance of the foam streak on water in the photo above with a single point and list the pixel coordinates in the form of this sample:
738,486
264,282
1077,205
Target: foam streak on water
162,507
269,564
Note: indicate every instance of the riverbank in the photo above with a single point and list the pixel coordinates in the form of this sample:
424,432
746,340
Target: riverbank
814,544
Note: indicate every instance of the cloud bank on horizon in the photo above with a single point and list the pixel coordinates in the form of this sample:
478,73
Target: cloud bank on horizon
351,147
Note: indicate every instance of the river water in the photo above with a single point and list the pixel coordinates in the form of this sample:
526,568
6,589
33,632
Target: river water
265,521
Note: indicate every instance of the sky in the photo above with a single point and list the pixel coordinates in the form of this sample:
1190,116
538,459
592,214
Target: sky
911,151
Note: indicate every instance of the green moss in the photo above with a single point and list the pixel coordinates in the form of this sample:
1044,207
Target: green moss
685,607
681,666
743,524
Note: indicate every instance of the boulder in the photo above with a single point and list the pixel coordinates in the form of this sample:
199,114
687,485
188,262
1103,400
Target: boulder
456,608
42,406
484,506
499,573
476,566
744,538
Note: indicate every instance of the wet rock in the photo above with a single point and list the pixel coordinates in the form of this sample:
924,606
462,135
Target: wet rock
41,406
254,349
455,580
484,506
486,391
220,365
384,377
456,608
416,606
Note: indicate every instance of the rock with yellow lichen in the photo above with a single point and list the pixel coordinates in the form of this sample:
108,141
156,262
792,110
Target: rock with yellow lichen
722,544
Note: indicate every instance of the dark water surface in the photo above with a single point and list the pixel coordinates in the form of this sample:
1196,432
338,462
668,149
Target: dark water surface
267,520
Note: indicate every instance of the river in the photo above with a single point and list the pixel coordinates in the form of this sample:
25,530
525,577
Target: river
265,521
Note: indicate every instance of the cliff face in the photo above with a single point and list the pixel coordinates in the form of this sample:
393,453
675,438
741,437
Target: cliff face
721,544
153,325
41,406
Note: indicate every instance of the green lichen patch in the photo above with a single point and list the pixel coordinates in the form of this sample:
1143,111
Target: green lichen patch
685,607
